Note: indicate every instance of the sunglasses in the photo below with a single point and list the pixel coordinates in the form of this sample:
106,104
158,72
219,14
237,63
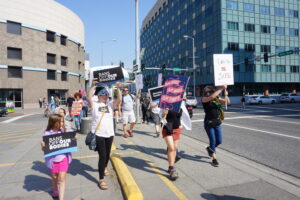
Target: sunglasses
125,90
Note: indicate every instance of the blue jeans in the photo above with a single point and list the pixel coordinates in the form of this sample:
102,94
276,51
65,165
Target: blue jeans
214,135
77,119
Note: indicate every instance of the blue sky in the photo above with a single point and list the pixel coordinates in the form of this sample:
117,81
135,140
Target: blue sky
106,20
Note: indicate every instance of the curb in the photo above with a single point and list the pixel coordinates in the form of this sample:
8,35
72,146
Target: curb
128,184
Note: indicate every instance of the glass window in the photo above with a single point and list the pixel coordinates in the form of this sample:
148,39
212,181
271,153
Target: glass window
233,46
14,72
250,47
250,68
232,5
63,40
280,68
63,60
14,53
64,76
293,13
236,68
14,28
279,30
50,36
264,10
294,32
296,50
265,29
249,7
51,74
79,65
294,69
249,27
279,12
51,58
233,25
279,49
265,48
266,68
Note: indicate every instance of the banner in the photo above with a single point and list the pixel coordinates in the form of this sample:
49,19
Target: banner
109,76
155,94
76,108
139,81
223,69
173,91
59,144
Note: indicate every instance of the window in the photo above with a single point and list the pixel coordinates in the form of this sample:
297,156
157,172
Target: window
279,30
232,5
51,74
265,48
249,27
250,68
294,69
264,10
266,68
50,36
79,65
14,53
63,60
14,72
249,7
296,50
233,46
51,58
236,68
279,12
293,13
233,25
294,32
250,47
279,49
280,68
64,76
265,29
14,28
63,40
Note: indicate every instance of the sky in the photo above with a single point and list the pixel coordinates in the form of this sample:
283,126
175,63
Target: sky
105,20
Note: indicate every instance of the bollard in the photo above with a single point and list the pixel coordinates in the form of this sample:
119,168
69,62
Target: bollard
86,125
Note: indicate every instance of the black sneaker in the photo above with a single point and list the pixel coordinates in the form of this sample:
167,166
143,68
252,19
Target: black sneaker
215,163
177,158
209,152
173,175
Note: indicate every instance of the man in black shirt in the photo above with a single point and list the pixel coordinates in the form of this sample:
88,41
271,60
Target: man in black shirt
69,105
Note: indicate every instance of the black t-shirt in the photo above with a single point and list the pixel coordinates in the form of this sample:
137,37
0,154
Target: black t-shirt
211,111
70,101
174,117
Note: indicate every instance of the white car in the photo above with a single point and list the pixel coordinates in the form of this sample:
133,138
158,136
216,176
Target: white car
191,101
261,100
289,97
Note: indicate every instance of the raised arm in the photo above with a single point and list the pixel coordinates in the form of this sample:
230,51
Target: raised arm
90,96
214,95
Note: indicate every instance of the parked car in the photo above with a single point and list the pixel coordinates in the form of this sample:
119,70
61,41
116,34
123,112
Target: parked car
191,101
289,97
3,112
261,100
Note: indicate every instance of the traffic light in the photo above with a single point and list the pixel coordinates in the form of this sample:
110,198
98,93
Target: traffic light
143,67
266,57
246,61
163,68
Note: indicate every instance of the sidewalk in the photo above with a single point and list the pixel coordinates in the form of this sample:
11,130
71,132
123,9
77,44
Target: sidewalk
235,178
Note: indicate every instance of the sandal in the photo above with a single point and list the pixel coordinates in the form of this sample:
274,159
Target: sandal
102,185
106,172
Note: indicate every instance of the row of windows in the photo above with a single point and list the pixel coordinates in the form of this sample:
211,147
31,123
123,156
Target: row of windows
268,68
249,7
16,72
263,29
233,46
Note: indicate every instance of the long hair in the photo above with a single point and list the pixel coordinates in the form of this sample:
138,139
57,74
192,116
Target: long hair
54,119
212,89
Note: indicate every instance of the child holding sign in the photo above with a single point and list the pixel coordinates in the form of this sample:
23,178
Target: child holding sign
58,164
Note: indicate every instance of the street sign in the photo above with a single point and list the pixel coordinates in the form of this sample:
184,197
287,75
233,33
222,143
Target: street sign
176,69
285,53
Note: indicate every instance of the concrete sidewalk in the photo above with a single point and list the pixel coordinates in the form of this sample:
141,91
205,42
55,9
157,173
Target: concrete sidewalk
235,178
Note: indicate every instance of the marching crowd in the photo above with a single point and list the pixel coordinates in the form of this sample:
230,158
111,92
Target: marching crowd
109,108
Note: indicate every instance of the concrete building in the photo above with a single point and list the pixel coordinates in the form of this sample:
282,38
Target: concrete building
41,52
245,28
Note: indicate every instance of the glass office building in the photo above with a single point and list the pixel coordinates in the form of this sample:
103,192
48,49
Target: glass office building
245,28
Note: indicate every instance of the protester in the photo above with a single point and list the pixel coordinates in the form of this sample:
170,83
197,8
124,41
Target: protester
213,115
57,101
85,108
127,111
44,102
52,105
243,100
70,100
102,126
57,164
145,109
66,125
78,116
154,112
40,102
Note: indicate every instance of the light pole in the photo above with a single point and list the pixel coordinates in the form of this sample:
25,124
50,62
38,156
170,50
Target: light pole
194,65
102,42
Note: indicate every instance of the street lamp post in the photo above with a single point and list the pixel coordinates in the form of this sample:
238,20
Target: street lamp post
194,65
102,42
137,56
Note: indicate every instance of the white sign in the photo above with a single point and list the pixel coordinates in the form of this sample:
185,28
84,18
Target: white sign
139,81
223,69
159,81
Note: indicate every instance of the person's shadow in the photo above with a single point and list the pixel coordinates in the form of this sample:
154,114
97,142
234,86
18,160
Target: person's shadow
222,197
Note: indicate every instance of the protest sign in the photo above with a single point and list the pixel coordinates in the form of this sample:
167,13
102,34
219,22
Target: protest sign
59,144
139,81
173,91
76,108
223,69
108,76
155,94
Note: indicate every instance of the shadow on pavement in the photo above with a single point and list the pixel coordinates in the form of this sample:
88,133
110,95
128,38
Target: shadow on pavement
222,197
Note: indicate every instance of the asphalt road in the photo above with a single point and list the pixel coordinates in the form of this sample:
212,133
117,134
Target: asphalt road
268,134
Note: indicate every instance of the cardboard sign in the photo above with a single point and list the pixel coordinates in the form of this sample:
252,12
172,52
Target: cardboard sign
223,69
139,81
59,144
109,76
76,108
173,91
155,93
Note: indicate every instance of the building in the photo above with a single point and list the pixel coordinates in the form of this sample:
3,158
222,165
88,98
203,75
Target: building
248,29
41,52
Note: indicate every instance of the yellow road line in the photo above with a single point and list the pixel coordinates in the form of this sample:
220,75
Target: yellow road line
7,138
